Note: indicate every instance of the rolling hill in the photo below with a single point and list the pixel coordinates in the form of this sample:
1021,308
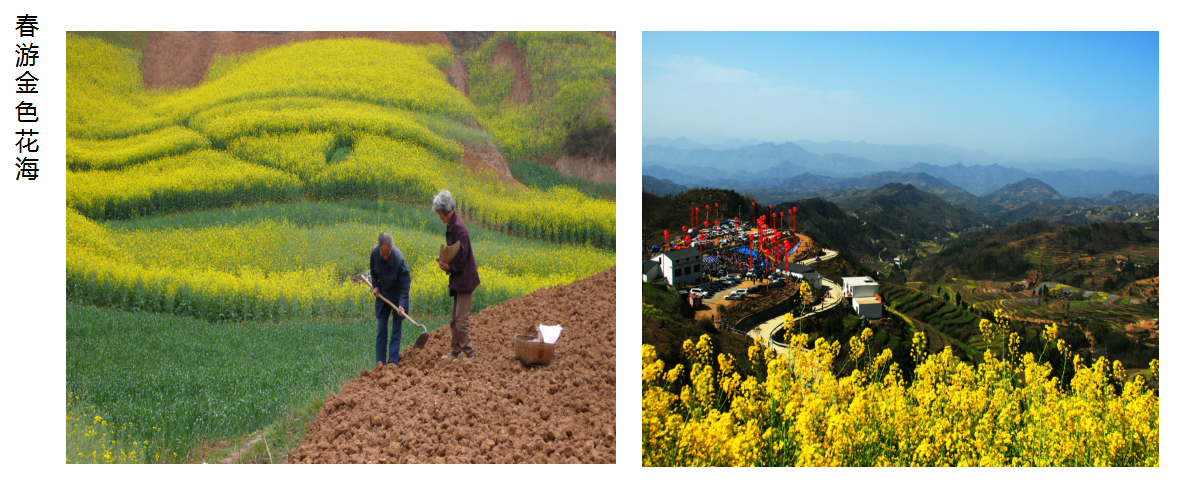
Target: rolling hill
660,187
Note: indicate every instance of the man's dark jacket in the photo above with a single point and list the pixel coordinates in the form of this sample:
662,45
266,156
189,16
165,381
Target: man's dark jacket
463,273
392,279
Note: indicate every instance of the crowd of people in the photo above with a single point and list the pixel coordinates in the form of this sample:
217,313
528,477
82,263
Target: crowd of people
736,260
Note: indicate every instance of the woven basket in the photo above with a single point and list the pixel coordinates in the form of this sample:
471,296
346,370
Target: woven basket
533,353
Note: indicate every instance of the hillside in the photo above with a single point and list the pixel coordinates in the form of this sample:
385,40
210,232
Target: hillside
668,212
913,213
660,187
1082,256
1026,190
1128,200
548,97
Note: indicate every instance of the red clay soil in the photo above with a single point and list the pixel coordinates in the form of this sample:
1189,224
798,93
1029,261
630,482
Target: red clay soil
521,91
458,76
491,409
480,159
585,167
181,58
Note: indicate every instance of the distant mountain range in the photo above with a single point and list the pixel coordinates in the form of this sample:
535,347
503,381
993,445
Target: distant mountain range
661,187
685,143
981,180
774,167
896,157
762,161
1026,198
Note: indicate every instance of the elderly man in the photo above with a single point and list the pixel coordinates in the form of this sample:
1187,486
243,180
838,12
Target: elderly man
388,272
463,275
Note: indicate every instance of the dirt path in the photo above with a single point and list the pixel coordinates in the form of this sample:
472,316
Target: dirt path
491,409
507,54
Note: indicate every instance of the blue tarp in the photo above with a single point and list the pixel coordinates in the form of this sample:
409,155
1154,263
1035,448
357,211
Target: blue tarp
795,248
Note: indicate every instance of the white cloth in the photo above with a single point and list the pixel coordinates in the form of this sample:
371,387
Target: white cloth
548,334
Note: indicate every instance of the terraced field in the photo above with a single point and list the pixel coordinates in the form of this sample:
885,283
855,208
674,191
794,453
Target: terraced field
252,198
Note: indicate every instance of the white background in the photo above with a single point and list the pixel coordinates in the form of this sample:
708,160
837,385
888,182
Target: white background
33,321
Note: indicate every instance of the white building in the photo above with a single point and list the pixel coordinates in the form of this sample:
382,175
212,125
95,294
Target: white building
863,291
799,271
651,270
681,267
860,286
869,307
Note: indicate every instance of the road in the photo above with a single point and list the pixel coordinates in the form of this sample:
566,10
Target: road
765,330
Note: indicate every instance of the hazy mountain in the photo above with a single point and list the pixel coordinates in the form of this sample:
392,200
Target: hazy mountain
908,211
981,180
690,176
1026,190
900,155
1029,198
781,161
841,190
1083,164
682,143
713,144
948,191
977,180
1074,183
660,187
735,144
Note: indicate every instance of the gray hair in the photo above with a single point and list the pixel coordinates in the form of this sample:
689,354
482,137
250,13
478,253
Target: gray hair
385,238
443,202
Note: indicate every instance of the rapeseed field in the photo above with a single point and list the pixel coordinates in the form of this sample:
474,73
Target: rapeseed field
216,228
1009,410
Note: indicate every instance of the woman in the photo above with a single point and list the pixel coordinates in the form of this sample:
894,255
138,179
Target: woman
463,275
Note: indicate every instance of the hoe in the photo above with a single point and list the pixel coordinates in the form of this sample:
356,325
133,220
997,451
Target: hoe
423,339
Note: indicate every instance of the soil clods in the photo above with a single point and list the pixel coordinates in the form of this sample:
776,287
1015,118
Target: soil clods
490,409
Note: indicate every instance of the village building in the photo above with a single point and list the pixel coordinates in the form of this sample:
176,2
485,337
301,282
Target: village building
681,267
651,270
866,300
800,271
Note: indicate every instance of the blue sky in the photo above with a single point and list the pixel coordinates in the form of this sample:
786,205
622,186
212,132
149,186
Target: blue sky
1016,95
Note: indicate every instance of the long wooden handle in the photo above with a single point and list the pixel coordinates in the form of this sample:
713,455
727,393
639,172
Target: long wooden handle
397,310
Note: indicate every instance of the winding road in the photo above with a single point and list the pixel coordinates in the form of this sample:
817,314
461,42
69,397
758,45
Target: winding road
765,330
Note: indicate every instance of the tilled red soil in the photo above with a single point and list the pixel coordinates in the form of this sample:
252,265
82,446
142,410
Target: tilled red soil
491,409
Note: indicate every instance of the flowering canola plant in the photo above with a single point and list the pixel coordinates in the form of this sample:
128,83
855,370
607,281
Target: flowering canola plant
263,127
274,269
568,74
1005,411
93,439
